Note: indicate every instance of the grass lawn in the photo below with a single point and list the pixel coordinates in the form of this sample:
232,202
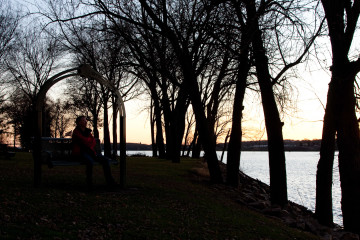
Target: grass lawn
162,200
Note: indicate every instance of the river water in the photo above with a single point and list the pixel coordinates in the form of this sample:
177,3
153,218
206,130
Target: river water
301,176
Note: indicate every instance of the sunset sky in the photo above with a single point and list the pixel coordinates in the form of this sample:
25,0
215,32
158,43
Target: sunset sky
303,123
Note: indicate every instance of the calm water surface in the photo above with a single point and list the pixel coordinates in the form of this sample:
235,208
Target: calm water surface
301,176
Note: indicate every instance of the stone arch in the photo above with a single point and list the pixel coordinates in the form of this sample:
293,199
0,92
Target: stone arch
84,71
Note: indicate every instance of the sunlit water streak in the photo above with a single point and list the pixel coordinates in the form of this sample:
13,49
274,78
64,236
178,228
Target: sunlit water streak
301,176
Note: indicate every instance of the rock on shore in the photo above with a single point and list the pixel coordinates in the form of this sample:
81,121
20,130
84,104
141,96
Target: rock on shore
255,195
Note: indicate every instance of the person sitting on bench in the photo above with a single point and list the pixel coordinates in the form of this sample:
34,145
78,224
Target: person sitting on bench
84,148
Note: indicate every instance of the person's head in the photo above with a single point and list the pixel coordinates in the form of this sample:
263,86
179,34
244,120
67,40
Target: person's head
81,121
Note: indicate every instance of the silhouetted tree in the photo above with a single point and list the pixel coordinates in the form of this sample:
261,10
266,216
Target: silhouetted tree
186,56
272,28
9,21
340,118
90,40
236,27
30,63
61,118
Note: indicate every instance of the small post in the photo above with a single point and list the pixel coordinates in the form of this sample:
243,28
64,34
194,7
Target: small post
37,149
122,151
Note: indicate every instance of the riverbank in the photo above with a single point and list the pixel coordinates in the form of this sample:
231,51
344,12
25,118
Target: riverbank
255,195
300,171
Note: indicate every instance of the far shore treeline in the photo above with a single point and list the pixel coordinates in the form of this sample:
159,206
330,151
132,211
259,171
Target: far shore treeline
289,145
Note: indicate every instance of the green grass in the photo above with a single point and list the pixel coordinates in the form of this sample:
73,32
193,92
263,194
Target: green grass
162,201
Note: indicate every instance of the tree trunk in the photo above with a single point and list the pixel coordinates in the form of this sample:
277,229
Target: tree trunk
186,138
349,149
167,113
234,150
171,142
225,146
114,129
195,145
152,130
205,134
196,150
278,186
323,207
342,17
175,126
213,105
107,145
159,139
95,122
159,131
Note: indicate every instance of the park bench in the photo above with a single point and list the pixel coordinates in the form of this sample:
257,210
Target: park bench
4,151
57,152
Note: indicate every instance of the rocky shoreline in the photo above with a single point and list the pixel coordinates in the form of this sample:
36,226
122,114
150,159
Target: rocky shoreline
255,195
